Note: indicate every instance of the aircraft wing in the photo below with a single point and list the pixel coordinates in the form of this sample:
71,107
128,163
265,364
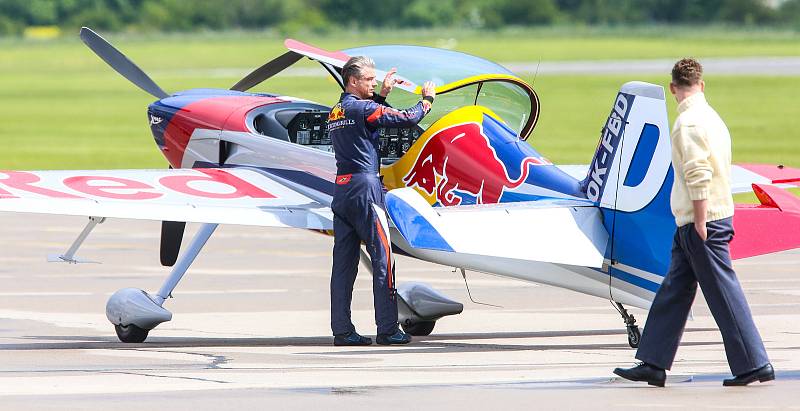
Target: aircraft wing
245,196
743,176
559,231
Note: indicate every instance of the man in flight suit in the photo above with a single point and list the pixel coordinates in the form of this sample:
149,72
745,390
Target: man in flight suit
358,200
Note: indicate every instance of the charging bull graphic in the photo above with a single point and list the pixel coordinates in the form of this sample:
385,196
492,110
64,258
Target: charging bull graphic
445,155
337,113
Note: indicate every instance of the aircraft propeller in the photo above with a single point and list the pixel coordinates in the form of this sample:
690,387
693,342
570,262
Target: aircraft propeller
171,238
171,231
266,71
120,63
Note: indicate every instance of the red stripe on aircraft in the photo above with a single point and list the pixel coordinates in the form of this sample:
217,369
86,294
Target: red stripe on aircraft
292,44
215,113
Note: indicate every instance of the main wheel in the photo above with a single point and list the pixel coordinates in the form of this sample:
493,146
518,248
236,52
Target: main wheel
419,329
131,333
634,335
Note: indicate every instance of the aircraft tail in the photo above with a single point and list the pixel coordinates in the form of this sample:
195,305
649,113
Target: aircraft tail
630,177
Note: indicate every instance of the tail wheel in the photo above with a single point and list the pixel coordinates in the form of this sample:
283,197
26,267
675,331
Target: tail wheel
131,333
634,336
419,329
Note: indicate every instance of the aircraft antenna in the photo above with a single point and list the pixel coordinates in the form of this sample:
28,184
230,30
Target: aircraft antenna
537,71
464,274
611,262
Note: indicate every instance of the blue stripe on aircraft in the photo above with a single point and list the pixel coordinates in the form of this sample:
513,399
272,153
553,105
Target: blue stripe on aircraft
634,279
413,226
303,178
642,155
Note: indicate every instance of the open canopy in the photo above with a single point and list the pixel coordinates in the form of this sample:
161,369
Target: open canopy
461,80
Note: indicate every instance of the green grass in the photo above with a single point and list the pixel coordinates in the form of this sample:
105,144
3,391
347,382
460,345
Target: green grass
761,113
61,107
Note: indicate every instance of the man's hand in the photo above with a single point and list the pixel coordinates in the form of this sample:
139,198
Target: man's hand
429,89
388,82
700,209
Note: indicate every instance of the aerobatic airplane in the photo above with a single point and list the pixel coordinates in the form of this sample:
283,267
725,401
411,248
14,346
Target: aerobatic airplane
466,189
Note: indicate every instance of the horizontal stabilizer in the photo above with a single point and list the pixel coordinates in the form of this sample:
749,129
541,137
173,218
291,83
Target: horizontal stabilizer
778,174
556,233
772,226
743,176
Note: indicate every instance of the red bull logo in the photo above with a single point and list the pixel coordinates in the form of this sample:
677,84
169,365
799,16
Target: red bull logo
460,159
337,113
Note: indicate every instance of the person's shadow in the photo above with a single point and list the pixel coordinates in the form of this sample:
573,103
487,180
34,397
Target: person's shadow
433,344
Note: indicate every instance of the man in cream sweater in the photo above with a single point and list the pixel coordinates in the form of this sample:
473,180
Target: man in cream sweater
703,207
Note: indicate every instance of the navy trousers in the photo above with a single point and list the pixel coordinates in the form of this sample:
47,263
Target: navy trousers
709,264
359,215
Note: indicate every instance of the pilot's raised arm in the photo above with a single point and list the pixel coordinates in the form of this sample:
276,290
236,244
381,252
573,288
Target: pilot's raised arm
382,114
376,114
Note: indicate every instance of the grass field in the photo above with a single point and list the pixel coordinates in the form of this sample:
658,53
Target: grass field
61,107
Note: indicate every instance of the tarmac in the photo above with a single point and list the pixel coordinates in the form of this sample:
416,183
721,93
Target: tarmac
251,330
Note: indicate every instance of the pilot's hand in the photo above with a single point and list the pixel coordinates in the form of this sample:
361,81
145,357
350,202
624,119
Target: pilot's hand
388,82
429,89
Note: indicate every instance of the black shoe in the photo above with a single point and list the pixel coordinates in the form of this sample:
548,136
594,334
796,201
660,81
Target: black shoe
763,374
392,339
351,338
643,372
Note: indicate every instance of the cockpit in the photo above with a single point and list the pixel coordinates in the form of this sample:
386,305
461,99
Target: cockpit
461,80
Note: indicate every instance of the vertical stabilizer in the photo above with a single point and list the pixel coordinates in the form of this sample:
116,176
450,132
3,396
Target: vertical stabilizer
630,177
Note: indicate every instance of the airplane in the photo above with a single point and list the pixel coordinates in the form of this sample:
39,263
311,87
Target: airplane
466,190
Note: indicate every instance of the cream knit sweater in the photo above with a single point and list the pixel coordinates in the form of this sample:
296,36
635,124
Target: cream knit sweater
701,158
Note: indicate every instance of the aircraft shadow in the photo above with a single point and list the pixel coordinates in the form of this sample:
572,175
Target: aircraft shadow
435,343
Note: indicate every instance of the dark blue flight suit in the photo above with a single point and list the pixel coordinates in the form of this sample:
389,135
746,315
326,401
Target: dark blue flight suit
358,206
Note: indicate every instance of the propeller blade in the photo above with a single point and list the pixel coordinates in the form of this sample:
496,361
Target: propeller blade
120,63
266,71
171,237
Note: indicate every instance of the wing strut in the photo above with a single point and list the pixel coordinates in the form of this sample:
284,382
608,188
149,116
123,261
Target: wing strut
69,255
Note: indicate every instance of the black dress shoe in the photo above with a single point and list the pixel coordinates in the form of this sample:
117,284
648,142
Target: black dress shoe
643,372
351,338
763,374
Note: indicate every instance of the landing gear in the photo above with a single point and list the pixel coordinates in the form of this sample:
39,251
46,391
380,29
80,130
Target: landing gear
134,312
419,328
634,335
131,333
419,305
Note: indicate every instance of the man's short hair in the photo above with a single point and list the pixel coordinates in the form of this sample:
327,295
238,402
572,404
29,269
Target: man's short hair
687,72
355,67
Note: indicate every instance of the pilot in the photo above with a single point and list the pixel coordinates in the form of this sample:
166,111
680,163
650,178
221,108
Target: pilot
703,208
358,202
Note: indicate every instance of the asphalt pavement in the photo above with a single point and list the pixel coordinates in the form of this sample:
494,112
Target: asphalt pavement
251,330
